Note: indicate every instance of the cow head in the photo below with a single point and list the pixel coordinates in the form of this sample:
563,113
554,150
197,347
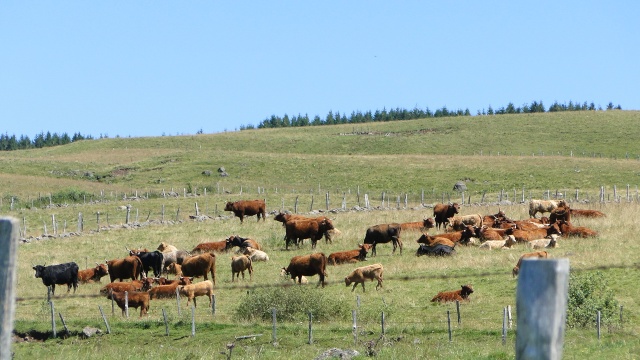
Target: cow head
39,270
455,207
428,223
228,206
183,280
101,269
466,290
424,239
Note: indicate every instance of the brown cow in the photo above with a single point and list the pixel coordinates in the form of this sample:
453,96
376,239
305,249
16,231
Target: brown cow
350,256
235,240
460,295
215,246
200,265
533,255
442,212
382,234
361,274
523,236
168,291
485,233
569,230
284,218
298,230
130,286
134,300
242,208
191,291
423,225
435,240
127,268
238,265
307,265
462,236
93,274
587,213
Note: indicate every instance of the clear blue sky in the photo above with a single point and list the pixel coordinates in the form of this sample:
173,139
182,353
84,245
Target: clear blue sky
147,68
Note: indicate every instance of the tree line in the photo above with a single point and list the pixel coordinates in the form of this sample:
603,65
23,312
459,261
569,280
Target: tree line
404,114
8,143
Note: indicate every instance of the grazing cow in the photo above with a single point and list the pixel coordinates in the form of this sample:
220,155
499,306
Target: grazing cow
168,291
460,295
548,242
130,286
92,274
361,274
61,274
458,223
134,300
524,236
255,254
307,265
297,230
436,250
127,268
569,230
235,240
173,257
215,246
200,265
499,244
238,265
287,277
382,234
350,256
532,255
544,206
442,212
153,260
587,213
423,225
242,208
430,240
166,248
203,288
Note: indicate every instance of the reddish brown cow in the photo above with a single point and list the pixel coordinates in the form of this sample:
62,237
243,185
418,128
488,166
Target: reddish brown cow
523,236
235,240
569,230
242,208
284,218
307,265
587,213
533,255
93,274
461,236
560,213
435,240
460,295
200,265
215,246
298,230
485,233
134,300
168,291
130,286
350,256
127,268
442,213
382,234
423,225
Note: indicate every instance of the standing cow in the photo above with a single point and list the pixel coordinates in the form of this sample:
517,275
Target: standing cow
62,274
382,234
242,208
442,213
307,265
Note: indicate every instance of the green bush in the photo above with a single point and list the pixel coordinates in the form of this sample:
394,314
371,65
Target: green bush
589,294
291,303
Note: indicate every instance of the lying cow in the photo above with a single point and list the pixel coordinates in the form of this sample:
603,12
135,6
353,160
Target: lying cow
255,254
436,250
350,256
61,274
532,255
499,244
548,242
460,295
214,246
93,274
361,274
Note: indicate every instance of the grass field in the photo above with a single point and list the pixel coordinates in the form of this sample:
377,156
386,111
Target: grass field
398,158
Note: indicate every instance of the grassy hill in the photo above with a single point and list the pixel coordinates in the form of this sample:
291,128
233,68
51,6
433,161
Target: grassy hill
304,165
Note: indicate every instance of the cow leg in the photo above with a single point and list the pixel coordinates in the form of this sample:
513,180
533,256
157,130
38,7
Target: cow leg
195,304
53,290
373,249
400,245
379,282
354,287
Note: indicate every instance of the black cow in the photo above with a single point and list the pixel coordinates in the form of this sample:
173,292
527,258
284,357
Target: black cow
53,275
436,250
382,234
153,260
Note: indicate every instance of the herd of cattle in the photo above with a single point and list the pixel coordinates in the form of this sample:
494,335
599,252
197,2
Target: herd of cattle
495,231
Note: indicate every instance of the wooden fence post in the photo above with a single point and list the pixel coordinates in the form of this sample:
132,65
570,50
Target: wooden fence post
274,338
8,260
541,306
310,329
105,320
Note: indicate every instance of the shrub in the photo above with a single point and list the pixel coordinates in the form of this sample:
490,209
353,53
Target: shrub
291,303
589,294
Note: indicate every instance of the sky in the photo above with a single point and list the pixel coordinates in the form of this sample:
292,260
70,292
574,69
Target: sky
152,68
